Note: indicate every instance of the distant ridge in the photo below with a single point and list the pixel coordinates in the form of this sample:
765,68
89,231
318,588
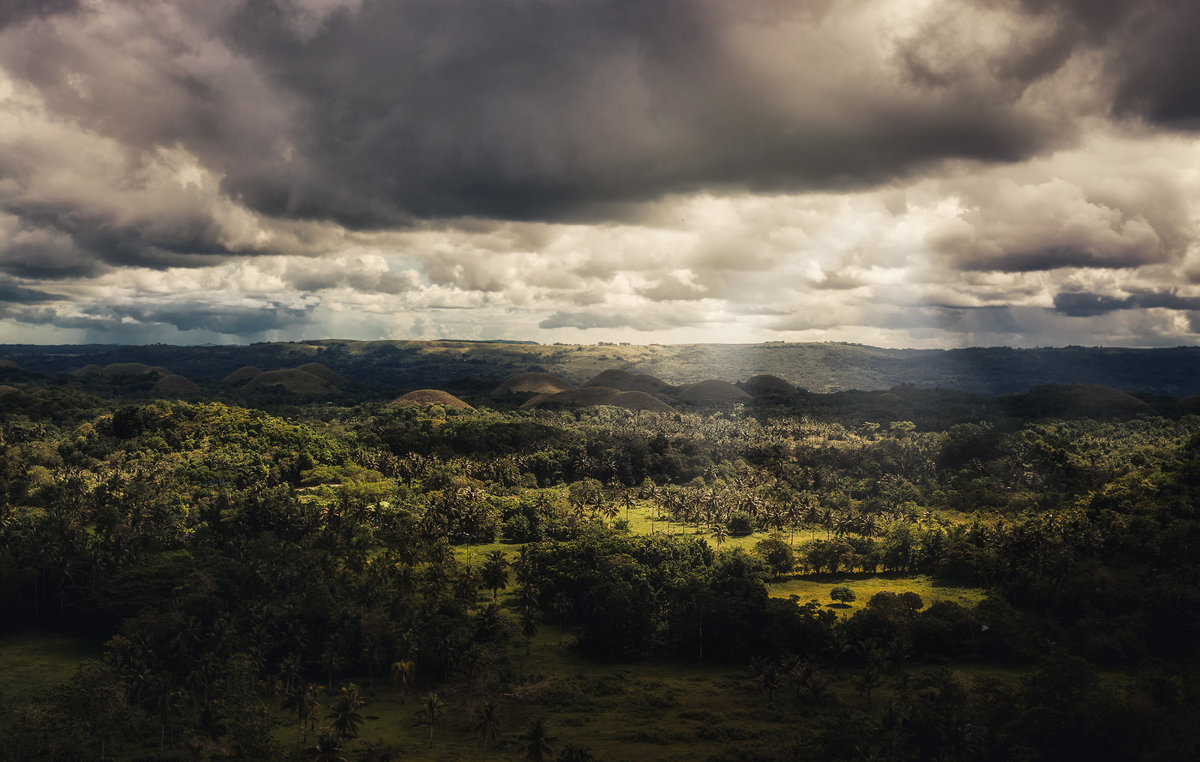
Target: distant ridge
478,367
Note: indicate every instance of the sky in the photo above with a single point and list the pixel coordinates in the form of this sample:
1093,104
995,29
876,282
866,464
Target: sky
901,173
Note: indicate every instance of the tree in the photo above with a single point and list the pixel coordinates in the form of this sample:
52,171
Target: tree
777,553
842,594
432,708
537,742
495,571
344,711
402,673
487,724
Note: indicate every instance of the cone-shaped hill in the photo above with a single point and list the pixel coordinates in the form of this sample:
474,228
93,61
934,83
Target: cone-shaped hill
324,373
588,396
122,370
291,381
533,383
1077,400
10,371
766,385
176,386
242,375
712,392
630,382
428,397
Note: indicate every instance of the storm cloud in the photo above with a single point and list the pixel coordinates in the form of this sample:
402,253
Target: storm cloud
811,170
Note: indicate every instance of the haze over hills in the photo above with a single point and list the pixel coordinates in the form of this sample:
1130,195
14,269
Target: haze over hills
465,366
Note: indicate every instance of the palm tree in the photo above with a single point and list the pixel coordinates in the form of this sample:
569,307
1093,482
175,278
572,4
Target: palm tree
487,724
344,711
402,673
495,571
432,708
537,742
302,699
720,533
560,606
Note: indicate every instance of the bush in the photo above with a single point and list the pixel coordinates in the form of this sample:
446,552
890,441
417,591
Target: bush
740,525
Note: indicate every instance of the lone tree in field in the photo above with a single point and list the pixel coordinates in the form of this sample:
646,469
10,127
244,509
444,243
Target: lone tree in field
842,594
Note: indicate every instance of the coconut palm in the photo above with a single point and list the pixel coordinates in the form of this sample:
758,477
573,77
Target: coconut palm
486,723
495,572
432,708
402,674
537,742
344,711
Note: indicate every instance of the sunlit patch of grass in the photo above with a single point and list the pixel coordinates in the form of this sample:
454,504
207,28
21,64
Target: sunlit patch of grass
817,586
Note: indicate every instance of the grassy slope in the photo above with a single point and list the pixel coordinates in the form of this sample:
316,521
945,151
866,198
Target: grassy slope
33,662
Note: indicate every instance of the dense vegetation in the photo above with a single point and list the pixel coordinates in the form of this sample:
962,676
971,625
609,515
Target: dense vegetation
263,584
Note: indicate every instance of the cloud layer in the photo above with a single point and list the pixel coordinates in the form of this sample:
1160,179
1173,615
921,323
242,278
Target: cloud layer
897,172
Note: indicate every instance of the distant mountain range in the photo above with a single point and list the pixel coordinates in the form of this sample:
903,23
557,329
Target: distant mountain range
477,367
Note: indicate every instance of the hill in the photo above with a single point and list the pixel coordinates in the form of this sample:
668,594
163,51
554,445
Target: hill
324,373
766,385
177,387
428,397
589,396
1077,401
532,383
712,391
629,382
242,375
292,381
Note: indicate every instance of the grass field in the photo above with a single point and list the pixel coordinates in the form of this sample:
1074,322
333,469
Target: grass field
817,586
32,662
632,712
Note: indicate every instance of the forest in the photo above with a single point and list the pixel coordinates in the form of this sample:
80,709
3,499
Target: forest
794,577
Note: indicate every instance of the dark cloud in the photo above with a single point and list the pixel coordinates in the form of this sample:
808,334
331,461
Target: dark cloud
13,12
518,109
62,241
12,293
638,320
1150,56
1158,69
231,320
1087,304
